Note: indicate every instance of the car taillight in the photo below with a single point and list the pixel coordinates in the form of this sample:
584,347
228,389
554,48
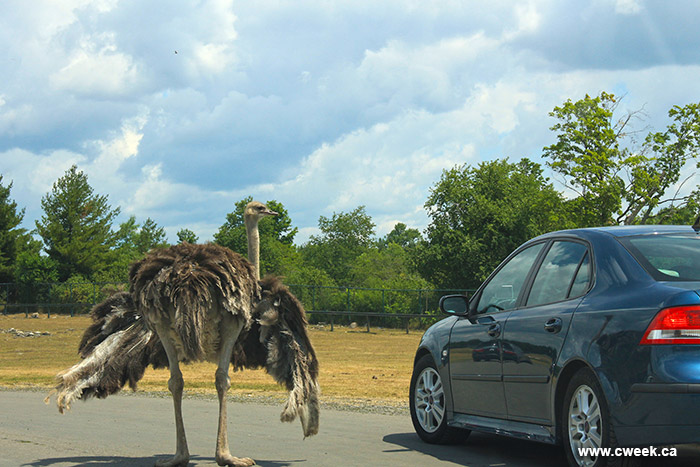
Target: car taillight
676,325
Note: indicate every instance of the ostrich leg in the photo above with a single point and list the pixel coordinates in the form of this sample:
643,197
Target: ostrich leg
230,329
175,384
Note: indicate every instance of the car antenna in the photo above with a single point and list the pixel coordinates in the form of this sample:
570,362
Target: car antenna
696,226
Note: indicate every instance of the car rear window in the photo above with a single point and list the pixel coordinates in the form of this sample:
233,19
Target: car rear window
672,257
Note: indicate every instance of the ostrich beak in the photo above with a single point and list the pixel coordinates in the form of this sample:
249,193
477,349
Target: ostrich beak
270,213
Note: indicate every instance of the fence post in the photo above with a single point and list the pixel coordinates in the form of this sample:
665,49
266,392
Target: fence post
26,300
48,299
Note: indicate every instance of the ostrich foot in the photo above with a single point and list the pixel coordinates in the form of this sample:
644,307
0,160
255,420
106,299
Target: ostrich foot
228,459
180,460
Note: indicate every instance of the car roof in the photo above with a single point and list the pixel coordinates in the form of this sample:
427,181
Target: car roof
627,230
622,231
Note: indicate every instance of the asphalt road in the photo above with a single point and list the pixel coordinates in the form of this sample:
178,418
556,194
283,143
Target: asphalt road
138,430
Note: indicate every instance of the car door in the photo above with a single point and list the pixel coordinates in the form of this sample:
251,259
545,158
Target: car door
534,333
475,341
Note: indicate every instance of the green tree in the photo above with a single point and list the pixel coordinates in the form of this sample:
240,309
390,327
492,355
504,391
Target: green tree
684,213
150,236
614,181
479,215
588,155
12,237
139,239
186,235
131,242
659,164
401,235
276,235
344,237
33,267
76,226
388,269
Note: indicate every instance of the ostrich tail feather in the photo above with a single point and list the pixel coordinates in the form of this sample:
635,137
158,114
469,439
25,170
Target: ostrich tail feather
290,357
115,349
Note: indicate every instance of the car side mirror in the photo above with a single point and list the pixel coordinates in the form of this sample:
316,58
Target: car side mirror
454,305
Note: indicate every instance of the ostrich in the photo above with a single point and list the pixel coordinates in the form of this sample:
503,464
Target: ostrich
254,211
191,303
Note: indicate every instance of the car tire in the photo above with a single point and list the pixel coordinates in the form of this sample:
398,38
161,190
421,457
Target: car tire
428,405
585,423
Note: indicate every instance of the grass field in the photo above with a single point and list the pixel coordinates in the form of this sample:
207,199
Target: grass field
354,364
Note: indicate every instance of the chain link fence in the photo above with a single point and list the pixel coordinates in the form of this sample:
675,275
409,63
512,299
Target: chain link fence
394,308
55,297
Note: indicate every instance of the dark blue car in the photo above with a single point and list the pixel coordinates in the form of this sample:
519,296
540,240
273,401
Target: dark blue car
589,338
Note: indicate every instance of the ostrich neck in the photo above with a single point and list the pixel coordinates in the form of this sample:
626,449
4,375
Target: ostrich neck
253,245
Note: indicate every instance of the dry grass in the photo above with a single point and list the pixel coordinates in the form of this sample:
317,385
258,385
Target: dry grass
354,364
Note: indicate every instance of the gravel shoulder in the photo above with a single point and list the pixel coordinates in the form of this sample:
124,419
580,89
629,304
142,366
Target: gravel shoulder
381,407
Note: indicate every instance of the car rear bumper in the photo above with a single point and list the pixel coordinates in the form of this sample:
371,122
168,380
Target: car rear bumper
658,414
657,435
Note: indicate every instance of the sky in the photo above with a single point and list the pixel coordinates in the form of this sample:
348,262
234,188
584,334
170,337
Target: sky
177,110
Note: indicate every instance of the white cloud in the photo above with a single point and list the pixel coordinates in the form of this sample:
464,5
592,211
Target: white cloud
32,176
528,20
125,144
36,173
213,58
500,104
387,167
628,7
97,68
323,106
14,119
428,75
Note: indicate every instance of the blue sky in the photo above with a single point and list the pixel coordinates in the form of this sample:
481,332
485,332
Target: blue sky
176,110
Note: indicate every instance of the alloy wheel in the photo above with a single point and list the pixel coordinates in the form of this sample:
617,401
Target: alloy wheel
585,426
429,400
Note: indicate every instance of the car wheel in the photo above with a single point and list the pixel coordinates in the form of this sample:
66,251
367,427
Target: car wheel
428,405
586,423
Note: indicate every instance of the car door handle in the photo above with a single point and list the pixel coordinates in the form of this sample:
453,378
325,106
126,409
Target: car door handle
553,325
495,330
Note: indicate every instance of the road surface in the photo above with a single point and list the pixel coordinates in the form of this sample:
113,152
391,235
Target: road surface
137,430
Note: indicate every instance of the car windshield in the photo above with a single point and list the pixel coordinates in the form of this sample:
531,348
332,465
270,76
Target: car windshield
674,257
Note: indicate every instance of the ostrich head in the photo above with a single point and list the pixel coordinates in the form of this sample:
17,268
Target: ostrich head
254,211
284,349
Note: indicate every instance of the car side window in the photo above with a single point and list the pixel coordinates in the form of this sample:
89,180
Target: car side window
501,292
557,273
582,279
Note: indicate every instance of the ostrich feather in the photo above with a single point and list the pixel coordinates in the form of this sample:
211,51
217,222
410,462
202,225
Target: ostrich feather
115,350
183,283
284,349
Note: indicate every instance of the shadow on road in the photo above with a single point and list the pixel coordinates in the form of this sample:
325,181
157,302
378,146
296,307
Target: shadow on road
102,461
484,449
